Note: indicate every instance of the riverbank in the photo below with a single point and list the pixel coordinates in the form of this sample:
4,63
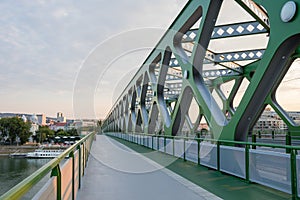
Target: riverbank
6,150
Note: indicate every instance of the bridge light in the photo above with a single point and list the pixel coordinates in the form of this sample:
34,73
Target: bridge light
185,74
288,11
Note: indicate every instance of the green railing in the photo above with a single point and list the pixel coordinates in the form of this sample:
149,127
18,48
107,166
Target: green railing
82,148
289,150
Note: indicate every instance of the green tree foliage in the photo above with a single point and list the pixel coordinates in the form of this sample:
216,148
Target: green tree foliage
43,133
60,132
14,127
71,132
99,125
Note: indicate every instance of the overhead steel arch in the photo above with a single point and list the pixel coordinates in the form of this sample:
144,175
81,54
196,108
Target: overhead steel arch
199,56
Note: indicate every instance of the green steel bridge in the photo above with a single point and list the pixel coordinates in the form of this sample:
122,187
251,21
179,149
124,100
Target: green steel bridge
218,66
227,73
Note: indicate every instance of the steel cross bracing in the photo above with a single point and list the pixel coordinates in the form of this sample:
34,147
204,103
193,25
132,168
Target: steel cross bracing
204,63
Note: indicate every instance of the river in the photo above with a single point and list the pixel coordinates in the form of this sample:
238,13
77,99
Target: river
14,170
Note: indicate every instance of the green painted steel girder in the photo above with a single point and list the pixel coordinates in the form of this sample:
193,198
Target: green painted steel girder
186,67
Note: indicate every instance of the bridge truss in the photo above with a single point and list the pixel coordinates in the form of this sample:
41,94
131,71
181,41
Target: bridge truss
220,63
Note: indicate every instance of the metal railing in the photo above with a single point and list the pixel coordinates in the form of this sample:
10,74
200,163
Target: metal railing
80,150
247,151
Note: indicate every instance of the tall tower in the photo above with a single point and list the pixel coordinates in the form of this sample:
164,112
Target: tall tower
60,117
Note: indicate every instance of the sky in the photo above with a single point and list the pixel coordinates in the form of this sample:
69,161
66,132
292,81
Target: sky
76,57
46,44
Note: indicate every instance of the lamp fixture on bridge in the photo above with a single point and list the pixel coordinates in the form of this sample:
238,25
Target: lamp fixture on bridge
288,11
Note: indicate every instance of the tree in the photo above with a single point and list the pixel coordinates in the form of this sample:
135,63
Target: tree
25,134
4,127
99,125
14,127
43,133
60,132
72,132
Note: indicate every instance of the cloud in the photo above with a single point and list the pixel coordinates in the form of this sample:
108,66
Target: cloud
43,43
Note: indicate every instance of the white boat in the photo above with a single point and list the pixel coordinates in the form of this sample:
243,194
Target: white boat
18,155
44,153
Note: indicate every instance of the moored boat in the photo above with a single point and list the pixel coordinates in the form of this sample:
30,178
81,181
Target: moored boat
18,155
44,153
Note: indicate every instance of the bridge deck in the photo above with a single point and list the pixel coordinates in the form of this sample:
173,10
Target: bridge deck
119,169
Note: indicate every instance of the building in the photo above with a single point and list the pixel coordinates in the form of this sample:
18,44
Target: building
41,119
58,126
34,127
269,120
60,117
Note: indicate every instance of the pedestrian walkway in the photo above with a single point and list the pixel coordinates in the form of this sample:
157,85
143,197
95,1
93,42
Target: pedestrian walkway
116,172
119,169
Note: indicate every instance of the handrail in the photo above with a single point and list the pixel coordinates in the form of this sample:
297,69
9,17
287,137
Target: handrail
290,150
24,186
223,141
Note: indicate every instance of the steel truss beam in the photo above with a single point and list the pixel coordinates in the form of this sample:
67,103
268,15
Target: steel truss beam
230,30
158,99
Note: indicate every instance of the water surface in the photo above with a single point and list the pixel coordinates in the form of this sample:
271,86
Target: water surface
14,170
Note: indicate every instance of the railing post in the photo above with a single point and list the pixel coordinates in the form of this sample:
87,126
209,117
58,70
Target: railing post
184,158
253,140
147,141
79,165
71,155
83,158
133,138
247,163
152,141
218,155
288,141
173,145
165,142
294,174
142,140
198,148
56,172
